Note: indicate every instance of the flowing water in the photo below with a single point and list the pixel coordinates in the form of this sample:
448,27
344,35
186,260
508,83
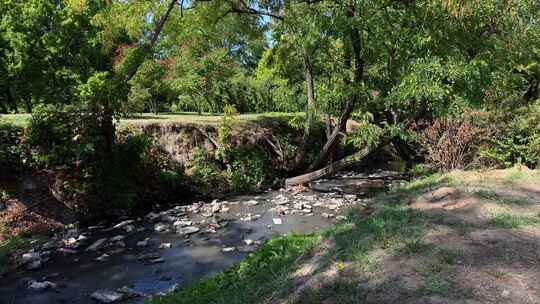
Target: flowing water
221,242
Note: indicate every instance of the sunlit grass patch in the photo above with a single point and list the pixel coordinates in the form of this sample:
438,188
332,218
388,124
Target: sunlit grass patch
260,274
511,221
436,274
502,199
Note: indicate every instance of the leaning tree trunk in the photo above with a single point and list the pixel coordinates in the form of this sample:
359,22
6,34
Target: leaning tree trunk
153,38
340,127
331,168
310,85
107,122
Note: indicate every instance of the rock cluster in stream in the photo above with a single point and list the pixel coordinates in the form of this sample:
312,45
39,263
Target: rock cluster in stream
179,220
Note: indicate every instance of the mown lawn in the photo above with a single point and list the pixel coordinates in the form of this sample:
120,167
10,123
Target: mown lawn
147,118
440,238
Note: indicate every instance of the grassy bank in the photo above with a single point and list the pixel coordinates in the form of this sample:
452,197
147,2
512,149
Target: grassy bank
445,238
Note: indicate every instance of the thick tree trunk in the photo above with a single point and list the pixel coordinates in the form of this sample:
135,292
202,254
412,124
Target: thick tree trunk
354,37
310,86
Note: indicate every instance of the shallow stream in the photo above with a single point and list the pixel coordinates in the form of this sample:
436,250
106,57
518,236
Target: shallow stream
194,241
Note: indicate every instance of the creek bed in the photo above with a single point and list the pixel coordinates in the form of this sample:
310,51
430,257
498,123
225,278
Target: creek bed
207,238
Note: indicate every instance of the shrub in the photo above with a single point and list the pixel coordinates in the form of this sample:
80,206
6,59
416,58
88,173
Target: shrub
516,139
449,143
205,171
249,168
62,137
12,150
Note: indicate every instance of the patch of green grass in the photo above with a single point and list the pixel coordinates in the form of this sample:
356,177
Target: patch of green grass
15,119
516,174
511,221
249,281
435,276
434,283
414,246
422,185
389,229
502,199
147,118
341,291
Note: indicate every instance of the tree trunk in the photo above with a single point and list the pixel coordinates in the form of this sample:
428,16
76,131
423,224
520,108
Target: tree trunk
310,86
28,105
354,37
107,121
153,37
331,168
4,103
3,108
532,91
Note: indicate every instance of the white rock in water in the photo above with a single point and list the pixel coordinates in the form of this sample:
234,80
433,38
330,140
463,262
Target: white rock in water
251,203
34,265
131,293
97,244
187,230
117,238
215,206
155,261
228,249
327,215
161,227
30,256
249,242
70,242
182,223
224,209
41,286
107,296
168,218
122,224
165,246
143,243
66,251
102,258
128,228
250,217
277,221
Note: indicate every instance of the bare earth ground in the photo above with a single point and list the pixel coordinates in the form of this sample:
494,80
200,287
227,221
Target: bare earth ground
476,240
